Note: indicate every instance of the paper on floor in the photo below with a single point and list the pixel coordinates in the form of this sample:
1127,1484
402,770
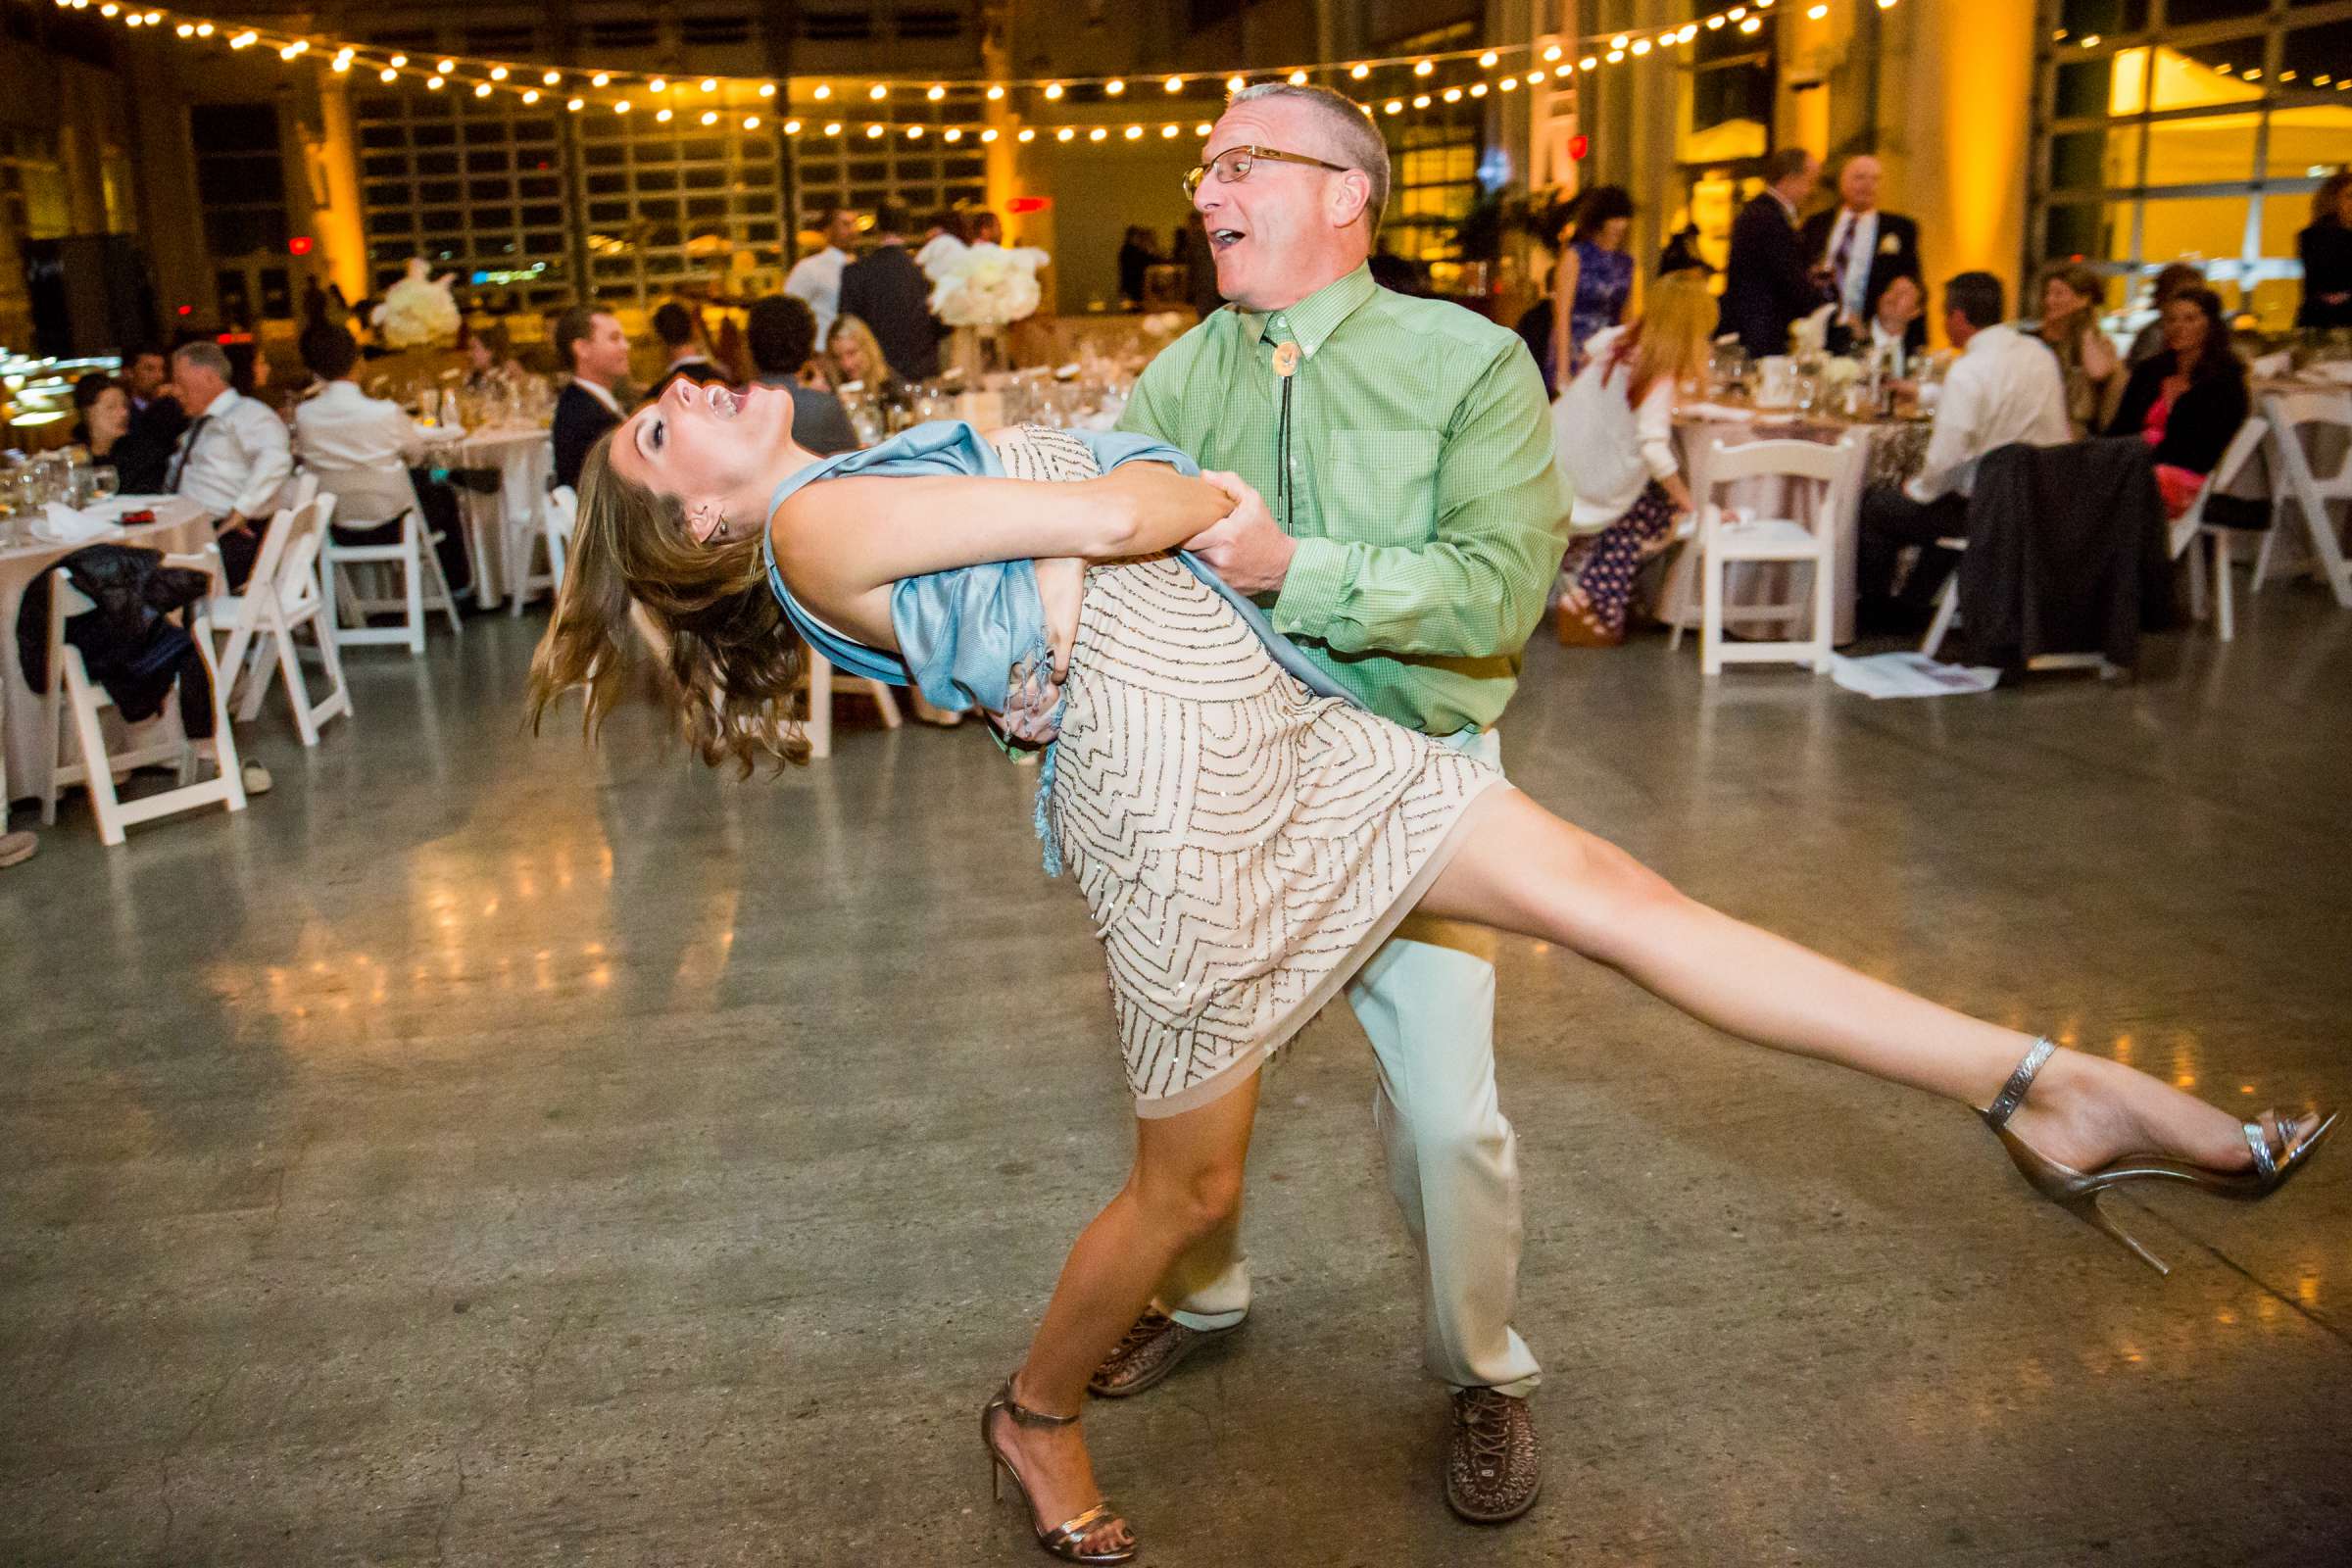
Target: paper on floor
1910,674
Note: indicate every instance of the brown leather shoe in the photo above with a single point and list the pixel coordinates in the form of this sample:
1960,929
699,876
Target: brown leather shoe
1492,1471
1152,1350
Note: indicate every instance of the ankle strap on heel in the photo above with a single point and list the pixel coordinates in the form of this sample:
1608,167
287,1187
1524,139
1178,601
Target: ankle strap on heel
2013,1093
1022,1415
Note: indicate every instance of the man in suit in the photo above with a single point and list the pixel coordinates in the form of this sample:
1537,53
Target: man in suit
1767,284
592,342
1856,250
889,294
681,348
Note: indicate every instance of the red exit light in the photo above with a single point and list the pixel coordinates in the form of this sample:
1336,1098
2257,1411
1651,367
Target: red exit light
1577,146
1028,204
299,245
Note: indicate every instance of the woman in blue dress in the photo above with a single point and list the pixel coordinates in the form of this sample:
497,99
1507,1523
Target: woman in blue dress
1243,838
1596,277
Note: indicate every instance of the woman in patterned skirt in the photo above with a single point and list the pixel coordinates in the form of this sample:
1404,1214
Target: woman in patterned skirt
1241,842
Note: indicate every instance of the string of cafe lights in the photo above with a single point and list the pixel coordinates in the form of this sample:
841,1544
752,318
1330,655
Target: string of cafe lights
1445,76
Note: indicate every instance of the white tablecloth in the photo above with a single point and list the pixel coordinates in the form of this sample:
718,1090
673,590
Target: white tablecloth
180,527
499,524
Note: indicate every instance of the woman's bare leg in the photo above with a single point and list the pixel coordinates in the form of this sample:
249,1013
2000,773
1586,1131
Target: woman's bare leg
1187,1181
1525,870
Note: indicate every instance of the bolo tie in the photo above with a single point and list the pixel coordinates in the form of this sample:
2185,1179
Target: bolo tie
1285,369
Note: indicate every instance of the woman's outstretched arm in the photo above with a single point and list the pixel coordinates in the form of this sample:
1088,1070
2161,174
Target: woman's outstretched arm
875,530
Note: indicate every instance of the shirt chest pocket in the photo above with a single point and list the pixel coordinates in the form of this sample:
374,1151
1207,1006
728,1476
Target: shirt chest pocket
1381,487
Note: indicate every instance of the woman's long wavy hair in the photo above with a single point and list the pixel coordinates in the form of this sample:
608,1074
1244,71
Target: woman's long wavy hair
643,598
1673,338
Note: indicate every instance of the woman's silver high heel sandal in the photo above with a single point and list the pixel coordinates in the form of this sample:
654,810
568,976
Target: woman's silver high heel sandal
1068,1539
2077,1192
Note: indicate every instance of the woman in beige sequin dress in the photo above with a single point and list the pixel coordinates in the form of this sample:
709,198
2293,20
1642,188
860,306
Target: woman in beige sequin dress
1241,843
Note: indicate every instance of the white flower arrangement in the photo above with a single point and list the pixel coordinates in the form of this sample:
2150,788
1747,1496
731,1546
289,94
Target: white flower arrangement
987,285
418,309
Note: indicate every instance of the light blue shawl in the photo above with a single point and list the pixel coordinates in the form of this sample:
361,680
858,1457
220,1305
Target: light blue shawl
967,635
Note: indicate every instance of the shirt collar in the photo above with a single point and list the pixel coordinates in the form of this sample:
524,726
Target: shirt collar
1316,317
602,395
221,406
1988,339
1787,206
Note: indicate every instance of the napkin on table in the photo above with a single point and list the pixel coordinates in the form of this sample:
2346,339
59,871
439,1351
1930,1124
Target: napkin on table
60,524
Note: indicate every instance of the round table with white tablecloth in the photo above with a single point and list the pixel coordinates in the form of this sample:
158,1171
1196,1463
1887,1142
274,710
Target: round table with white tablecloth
500,521
1894,450
180,527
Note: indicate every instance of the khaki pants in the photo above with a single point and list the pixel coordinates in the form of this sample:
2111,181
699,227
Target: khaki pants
1427,1001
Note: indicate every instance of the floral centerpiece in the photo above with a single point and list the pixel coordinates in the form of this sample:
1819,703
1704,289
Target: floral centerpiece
979,291
419,310
987,285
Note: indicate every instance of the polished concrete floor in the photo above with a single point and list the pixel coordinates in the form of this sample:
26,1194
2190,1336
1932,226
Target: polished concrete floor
485,1152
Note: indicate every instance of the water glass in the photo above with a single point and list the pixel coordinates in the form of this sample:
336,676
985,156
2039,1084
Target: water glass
103,481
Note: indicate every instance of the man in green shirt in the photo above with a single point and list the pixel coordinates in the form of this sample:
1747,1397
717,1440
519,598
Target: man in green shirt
1401,518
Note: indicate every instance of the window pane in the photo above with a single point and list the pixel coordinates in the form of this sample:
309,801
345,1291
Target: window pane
2227,71
2189,13
2095,160
2308,143
2085,86
2193,228
2198,152
2079,17
2093,230
2318,58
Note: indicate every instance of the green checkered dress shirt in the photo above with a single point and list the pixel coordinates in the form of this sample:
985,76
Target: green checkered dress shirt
1428,514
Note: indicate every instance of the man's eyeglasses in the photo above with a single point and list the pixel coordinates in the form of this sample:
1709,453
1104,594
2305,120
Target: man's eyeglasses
1234,164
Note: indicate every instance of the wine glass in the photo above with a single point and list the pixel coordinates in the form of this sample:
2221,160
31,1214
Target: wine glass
105,481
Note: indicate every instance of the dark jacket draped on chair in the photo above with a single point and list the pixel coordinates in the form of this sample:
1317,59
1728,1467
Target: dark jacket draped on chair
2067,554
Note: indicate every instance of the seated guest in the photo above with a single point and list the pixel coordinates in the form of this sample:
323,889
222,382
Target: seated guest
155,416
1614,429
232,460
101,415
489,358
2176,278
2187,401
856,358
783,335
364,450
2086,361
2326,247
681,336
592,344
1897,323
2003,388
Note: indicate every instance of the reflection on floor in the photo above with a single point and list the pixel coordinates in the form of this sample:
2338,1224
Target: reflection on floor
483,1152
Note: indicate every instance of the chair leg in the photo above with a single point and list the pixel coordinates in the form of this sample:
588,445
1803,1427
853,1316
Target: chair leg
2225,608
1825,611
1948,610
820,704
289,664
98,775
256,683
338,696
2196,579
885,702
448,600
1710,622
412,576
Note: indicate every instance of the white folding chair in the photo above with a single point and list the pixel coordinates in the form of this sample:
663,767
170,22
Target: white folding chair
72,696
1724,541
368,498
557,519
284,595
2190,529
2289,414
816,684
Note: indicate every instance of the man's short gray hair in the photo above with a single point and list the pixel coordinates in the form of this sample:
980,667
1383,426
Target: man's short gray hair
203,356
1357,141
